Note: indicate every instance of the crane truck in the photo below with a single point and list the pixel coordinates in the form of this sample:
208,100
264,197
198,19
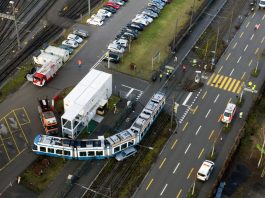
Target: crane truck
47,117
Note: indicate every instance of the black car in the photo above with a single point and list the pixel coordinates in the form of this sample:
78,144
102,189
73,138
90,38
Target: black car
130,30
154,9
133,34
137,26
114,58
110,9
126,36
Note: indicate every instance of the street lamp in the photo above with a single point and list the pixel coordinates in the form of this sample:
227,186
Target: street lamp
15,20
88,2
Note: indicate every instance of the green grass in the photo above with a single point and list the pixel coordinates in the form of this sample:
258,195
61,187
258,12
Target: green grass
154,38
113,100
255,72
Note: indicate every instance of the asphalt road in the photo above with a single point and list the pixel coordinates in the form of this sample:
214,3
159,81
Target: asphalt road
175,170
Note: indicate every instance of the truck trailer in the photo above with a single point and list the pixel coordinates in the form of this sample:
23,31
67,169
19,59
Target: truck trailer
63,53
44,58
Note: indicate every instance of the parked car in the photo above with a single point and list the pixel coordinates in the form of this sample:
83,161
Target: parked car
141,20
153,8
114,58
116,48
155,4
123,42
137,26
150,13
158,2
81,33
143,16
130,29
126,153
104,13
69,49
119,2
113,5
96,20
75,38
125,36
109,9
70,43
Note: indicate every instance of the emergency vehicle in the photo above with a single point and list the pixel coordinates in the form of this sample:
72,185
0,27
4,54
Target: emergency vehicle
229,113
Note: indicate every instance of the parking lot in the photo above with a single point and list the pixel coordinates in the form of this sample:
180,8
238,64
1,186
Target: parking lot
13,140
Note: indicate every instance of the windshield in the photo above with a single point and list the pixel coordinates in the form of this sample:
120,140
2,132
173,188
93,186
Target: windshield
226,114
36,79
200,174
52,127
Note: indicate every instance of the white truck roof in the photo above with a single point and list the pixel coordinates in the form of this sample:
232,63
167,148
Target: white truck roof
45,58
56,50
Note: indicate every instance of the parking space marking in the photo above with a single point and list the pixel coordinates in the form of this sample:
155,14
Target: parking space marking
4,147
21,128
10,131
243,75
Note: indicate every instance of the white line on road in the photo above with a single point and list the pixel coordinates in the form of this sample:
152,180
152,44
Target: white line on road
247,24
250,62
198,130
163,190
262,39
208,113
239,59
216,98
176,168
252,36
187,98
228,56
187,148
231,72
131,88
235,45
246,48
263,17
253,15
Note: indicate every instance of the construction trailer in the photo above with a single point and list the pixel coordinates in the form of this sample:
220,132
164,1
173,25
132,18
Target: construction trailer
63,53
81,104
42,58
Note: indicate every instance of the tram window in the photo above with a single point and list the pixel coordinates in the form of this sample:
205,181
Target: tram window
67,153
60,152
130,143
124,146
117,149
83,153
34,147
50,150
43,149
100,153
91,153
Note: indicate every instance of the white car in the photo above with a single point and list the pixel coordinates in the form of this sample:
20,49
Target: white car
116,48
75,38
119,2
70,43
205,170
141,20
96,20
143,16
122,42
229,113
104,13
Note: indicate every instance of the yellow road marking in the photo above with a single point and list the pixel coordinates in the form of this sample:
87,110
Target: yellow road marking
26,114
243,75
241,34
201,153
162,163
219,81
21,128
228,56
257,50
151,181
185,126
220,69
226,85
4,147
229,100
204,95
250,62
195,109
179,193
209,81
191,170
173,145
235,87
231,85
240,88
10,131
235,45
220,118
223,82
215,79
210,136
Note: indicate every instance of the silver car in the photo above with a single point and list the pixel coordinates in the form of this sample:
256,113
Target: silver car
126,153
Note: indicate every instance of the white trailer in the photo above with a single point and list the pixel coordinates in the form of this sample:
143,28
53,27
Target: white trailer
63,53
44,58
81,104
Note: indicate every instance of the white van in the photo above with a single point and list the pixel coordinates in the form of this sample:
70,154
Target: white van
262,4
126,153
205,170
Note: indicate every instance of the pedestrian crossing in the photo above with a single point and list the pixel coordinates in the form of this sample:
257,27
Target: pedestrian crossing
226,83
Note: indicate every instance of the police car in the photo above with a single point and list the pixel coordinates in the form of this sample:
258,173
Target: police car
229,113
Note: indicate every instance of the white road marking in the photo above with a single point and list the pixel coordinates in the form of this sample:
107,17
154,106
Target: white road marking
239,59
263,17
198,130
216,98
253,15
176,168
250,62
187,98
208,113
131,90
187,148
252,36
235,45
131,87
247,24
163,190
231,72
262,39
246,48
228,56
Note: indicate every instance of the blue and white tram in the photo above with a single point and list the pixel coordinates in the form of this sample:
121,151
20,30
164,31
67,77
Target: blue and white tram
102,147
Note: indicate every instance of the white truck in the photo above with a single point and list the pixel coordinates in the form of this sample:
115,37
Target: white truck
63,53
82,103
44,58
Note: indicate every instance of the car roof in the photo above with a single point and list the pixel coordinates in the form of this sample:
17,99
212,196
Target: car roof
205,167
230,107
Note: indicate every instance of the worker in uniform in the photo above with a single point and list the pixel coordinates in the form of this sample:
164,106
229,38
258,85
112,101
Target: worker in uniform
160,76
257,26
253,88
241,115
249,83
167,74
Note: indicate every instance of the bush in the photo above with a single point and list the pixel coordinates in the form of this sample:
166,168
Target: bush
255,72
211,156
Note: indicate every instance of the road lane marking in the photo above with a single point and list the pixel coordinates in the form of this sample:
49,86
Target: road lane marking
231,72
201,153
173,145
235,45
216,98
236,86
185,126
247,24
263,17
228,82
187,98
262,40
163,190
250,62
191,170
198,130
208,113
232,84
246,48
253,15
243,75
179,193
151,181
223,82
239,59
228,56
220,69
220,117
241,34
252,36
204,95
176,168
240,88
162,163
209,81
20,124
187,149
219,81
210,136
195,109
229,100
257,50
